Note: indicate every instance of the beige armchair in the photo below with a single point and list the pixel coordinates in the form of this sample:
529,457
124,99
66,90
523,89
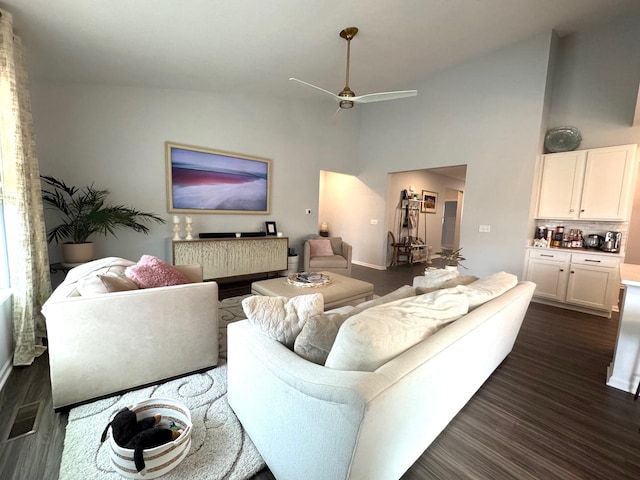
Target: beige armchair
335,260
104,343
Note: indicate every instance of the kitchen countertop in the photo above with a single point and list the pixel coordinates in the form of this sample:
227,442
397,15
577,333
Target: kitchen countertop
590,251
624,371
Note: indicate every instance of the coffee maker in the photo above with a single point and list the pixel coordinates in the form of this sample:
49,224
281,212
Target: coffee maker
611,242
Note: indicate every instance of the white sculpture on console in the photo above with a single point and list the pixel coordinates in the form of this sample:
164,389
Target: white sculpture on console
176,227
189,228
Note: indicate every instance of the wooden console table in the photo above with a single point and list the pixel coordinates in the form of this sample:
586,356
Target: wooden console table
231,257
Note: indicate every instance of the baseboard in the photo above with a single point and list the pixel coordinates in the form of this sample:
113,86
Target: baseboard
370,265
575,308
620,383
6,371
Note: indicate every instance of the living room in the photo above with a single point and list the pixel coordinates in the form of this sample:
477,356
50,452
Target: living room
488,111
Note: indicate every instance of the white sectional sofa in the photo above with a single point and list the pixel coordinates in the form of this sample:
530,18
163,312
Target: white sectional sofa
103,343
310,421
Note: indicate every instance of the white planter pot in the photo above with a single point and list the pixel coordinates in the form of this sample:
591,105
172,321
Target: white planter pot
77,253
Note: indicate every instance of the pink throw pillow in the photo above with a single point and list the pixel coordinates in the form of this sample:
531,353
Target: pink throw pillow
321,247
152,272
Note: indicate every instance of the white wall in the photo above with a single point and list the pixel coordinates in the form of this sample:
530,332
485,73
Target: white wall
486,113
595,89
340,196
114,136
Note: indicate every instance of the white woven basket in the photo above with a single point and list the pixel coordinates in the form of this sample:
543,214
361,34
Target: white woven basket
162,459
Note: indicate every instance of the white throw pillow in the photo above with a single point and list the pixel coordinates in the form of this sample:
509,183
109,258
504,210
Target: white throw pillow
319,333
488,288
452,282
105,283
280,318
434,278
371,338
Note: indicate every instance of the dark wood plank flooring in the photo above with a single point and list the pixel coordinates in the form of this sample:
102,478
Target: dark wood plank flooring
545,413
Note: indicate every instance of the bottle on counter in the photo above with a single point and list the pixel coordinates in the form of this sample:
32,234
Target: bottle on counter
558,237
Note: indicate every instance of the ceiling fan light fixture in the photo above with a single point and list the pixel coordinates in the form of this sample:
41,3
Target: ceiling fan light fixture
346,104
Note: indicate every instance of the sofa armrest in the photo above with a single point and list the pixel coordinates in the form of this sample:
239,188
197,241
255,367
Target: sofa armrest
108,343
346,252
194,273
307,256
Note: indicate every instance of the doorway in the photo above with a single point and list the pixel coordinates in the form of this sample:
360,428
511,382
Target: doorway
445,184
451,218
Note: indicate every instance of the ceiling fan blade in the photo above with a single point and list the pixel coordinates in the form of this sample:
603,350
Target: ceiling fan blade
335,97
379,97
334,117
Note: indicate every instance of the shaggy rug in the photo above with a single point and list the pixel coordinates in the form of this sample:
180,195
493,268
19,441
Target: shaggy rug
220,449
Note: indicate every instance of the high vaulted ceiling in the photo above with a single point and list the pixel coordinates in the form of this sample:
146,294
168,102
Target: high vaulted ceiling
254,46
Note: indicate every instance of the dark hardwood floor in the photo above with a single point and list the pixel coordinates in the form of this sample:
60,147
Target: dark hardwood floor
545,413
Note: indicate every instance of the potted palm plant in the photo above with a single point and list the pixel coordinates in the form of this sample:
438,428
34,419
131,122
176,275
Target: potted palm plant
451,258
84,212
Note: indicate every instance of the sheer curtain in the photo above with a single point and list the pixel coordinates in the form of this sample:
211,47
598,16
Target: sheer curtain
22,201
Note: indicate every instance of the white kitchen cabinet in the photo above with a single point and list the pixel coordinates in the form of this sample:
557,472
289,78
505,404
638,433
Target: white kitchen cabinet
586,282
550,272
593,281
595,184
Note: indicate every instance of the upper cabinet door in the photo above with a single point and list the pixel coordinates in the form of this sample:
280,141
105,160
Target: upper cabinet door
608,183
561,185
596,184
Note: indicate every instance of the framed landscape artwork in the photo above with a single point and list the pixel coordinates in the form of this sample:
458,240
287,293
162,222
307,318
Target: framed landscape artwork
429,202
201,180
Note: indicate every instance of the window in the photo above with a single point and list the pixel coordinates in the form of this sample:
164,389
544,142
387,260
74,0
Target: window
4,261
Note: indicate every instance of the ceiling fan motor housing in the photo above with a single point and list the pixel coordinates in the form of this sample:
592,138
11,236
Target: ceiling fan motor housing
347,92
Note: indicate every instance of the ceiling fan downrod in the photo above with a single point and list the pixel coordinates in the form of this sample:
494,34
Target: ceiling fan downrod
348,33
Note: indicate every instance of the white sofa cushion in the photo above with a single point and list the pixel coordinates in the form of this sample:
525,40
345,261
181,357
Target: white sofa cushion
69,287
434,278
280,318
452,282
371,338
317,336
488,288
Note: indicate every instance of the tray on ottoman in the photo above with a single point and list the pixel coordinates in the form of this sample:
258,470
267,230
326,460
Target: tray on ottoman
340,291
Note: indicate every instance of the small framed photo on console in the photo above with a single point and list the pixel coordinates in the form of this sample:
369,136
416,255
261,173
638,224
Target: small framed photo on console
270,228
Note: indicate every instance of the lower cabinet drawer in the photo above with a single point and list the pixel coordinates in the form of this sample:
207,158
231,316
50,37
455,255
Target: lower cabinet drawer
550,255
594,260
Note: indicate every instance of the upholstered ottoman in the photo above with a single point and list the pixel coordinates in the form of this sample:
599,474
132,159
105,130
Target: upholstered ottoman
340,291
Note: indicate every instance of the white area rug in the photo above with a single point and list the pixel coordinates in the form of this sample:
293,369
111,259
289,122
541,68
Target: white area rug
220,448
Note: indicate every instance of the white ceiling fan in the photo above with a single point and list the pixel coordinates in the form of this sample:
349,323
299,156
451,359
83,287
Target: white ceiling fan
346,98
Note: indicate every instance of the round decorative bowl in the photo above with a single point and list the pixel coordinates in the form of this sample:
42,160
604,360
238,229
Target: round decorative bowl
309,280
562,139
162,459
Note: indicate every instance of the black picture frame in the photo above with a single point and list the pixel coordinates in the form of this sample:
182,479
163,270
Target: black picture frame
270,228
